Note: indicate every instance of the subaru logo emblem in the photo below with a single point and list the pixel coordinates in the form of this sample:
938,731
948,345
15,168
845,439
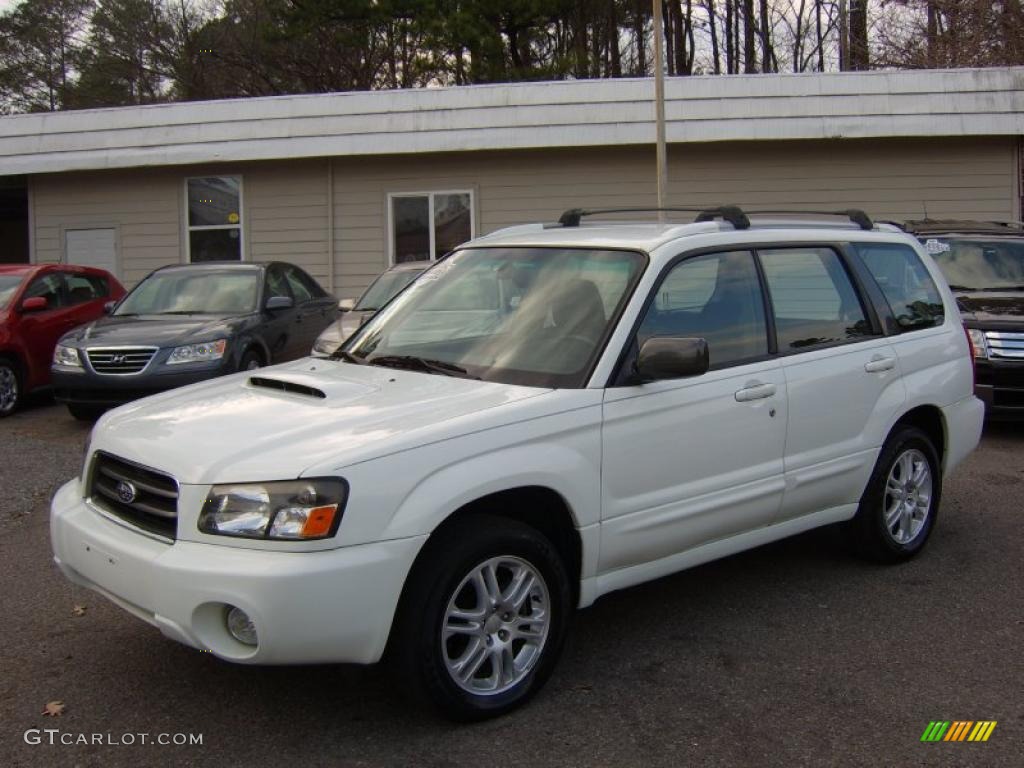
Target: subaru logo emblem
126,492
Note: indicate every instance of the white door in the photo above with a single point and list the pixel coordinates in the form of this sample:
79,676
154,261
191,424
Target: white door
842,377
690,461
92,248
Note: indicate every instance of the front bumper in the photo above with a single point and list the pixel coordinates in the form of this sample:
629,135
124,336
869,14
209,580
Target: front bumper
1000,385
86,387
308,607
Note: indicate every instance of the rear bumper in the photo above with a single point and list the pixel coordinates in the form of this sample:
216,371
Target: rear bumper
964,422
1000,385
88,388
308,607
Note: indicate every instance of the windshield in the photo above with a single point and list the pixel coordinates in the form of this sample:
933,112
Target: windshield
980,264
185,293
384,288
531,316
8,287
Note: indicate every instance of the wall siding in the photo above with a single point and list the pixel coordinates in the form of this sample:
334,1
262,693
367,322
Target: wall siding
286,212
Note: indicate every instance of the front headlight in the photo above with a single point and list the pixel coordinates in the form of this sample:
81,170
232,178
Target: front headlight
291,509
66,357
198,353
978,342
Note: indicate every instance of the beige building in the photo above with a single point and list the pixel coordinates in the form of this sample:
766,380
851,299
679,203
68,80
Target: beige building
346,184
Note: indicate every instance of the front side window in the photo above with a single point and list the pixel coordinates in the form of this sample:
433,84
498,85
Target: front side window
385,288
814,301
429,225
8,287
980,264
716,297
47,287
905,283
531,316
187,293
214,218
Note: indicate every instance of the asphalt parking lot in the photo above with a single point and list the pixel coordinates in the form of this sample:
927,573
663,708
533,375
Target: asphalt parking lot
793,654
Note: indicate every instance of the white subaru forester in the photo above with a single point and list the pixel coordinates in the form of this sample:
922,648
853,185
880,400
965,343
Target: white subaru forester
548,414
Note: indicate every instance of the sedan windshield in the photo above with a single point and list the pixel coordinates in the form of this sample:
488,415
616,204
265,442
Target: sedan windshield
200,292
980,264
531,316
8,287
384,289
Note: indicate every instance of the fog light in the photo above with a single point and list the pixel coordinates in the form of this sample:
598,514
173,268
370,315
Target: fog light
241,626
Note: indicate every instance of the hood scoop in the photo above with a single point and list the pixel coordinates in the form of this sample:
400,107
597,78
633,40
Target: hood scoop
283,385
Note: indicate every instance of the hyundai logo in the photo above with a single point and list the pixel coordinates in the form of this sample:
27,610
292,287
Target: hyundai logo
118,359
126,492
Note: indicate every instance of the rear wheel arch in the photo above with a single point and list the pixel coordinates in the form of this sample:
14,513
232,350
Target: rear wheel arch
929,419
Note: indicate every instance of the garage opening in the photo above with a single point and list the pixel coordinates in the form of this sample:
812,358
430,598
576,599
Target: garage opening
13,220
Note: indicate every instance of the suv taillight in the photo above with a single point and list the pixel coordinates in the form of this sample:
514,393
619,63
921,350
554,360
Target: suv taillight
971,352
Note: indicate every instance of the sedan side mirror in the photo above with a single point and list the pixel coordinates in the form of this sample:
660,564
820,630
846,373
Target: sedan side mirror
671,357
346,305
279,302
34,304
108,308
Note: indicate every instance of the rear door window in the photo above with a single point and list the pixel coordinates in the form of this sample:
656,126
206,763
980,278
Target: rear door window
905,282
814,301
84,288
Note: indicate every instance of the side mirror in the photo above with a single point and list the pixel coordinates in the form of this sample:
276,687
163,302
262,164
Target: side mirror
34,304
108,308
346,305
278,303
671,357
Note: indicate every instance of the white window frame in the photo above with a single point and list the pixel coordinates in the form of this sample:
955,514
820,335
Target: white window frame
240,226
429,194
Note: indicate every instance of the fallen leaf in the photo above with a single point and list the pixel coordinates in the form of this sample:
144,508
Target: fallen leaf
78,610
54,708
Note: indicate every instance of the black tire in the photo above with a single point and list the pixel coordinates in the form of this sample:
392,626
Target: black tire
12,387
868,532
418,652
251,360
85,412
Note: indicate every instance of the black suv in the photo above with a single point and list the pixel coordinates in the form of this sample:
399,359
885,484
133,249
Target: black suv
188,323
983,262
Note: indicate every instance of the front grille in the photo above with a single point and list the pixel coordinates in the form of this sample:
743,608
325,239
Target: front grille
137,495
120,361
1005,344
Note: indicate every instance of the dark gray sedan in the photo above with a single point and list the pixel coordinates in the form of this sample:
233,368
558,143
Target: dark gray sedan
189,323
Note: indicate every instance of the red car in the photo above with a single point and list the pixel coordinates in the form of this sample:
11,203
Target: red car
38,305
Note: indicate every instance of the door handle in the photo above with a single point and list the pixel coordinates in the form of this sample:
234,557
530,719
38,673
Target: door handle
879,364
755,390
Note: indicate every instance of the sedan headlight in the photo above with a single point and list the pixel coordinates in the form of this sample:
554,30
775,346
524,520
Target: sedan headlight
66,357
198,353
978,342
293,509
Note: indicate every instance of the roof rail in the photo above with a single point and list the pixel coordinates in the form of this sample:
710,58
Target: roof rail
856,215
731,213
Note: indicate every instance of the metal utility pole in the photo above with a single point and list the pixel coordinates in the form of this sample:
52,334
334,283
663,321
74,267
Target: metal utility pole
661,156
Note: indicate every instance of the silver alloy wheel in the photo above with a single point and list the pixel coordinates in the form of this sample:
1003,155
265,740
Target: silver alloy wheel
496,625
8,389
908,496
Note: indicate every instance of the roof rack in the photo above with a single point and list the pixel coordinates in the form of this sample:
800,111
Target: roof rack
730,213
856,215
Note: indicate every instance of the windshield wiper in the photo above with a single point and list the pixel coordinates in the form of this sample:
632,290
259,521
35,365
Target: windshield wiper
955,287
411,362
348,357
1005,288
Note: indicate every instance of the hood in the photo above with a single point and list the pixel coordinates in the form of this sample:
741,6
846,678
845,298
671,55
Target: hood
992,307
232,429
152,330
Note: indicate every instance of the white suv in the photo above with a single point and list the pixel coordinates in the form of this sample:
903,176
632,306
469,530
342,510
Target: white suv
549,414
